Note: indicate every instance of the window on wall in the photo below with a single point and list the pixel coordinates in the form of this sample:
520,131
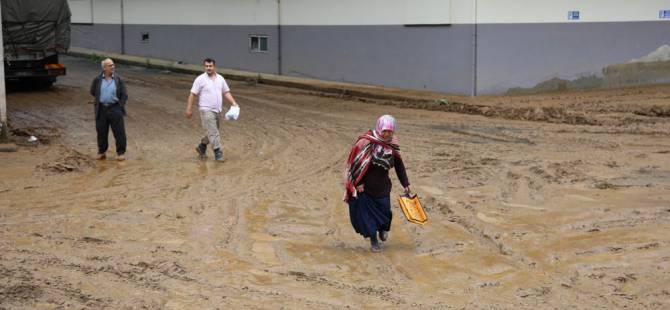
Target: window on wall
258,43
144,37
573,15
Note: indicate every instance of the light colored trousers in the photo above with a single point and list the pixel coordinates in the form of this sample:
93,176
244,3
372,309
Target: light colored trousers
210,123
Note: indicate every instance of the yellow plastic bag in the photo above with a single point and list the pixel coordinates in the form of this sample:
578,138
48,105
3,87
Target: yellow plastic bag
411,207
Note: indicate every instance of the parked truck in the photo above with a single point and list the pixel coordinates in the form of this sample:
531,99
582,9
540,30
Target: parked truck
34,33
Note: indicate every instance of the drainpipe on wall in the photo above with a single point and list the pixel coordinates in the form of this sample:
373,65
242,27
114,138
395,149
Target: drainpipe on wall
123,31
279,67
474,53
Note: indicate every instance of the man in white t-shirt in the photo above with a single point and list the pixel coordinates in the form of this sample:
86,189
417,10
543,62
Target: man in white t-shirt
210,88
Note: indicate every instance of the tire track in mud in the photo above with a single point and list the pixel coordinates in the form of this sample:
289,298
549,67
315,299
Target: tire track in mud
383,293
618,220
50,277
276,146
480,171
529,182
145,275
287,198
487,236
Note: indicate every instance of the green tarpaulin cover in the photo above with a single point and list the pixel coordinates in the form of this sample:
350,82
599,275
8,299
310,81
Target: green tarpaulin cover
35,26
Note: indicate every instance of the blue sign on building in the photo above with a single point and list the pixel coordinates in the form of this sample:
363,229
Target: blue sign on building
664,14
573,15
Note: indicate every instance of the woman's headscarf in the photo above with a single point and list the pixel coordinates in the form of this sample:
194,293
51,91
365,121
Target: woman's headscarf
385,122
370,148
383,152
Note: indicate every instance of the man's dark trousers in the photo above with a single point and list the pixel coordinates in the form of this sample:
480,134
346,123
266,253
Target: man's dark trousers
110,116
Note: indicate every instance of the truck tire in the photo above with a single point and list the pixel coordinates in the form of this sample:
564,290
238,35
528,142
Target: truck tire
44,83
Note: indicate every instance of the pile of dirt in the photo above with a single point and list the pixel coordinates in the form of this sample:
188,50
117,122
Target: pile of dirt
71,161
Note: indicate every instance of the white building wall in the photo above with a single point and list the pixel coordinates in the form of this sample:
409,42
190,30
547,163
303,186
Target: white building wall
552,11
480,46
95,11
369,12
175,12
106,11
263,12
361,12
200,12
82,11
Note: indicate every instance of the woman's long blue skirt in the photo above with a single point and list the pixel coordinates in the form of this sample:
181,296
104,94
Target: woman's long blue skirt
369,215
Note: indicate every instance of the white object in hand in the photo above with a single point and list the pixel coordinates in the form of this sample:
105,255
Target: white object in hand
233,113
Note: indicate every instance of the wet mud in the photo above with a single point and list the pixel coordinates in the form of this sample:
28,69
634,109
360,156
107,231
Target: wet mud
543,201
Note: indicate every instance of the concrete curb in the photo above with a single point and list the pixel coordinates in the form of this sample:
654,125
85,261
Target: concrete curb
8,147
338,88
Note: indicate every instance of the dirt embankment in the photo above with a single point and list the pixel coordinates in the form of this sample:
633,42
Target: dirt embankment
613,107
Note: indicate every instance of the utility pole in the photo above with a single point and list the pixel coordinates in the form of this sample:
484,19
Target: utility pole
279,64
474,50
123,30
3,99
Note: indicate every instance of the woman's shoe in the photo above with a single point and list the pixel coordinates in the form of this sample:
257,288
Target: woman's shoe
383,235
375,246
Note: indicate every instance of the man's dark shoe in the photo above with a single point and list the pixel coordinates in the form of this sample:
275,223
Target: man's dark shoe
202,150
383,235
218,155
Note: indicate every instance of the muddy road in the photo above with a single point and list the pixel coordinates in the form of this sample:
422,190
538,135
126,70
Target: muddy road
525,211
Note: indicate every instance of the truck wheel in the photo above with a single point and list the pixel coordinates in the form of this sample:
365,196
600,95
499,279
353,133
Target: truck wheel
44,83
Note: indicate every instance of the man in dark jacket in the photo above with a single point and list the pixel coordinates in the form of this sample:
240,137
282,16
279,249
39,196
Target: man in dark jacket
110,102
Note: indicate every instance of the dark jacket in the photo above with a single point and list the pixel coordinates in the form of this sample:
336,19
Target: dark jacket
120,93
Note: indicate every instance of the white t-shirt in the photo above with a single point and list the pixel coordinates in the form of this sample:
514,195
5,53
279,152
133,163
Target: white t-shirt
210,92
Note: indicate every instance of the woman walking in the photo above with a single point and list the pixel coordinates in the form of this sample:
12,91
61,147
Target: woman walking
367,182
